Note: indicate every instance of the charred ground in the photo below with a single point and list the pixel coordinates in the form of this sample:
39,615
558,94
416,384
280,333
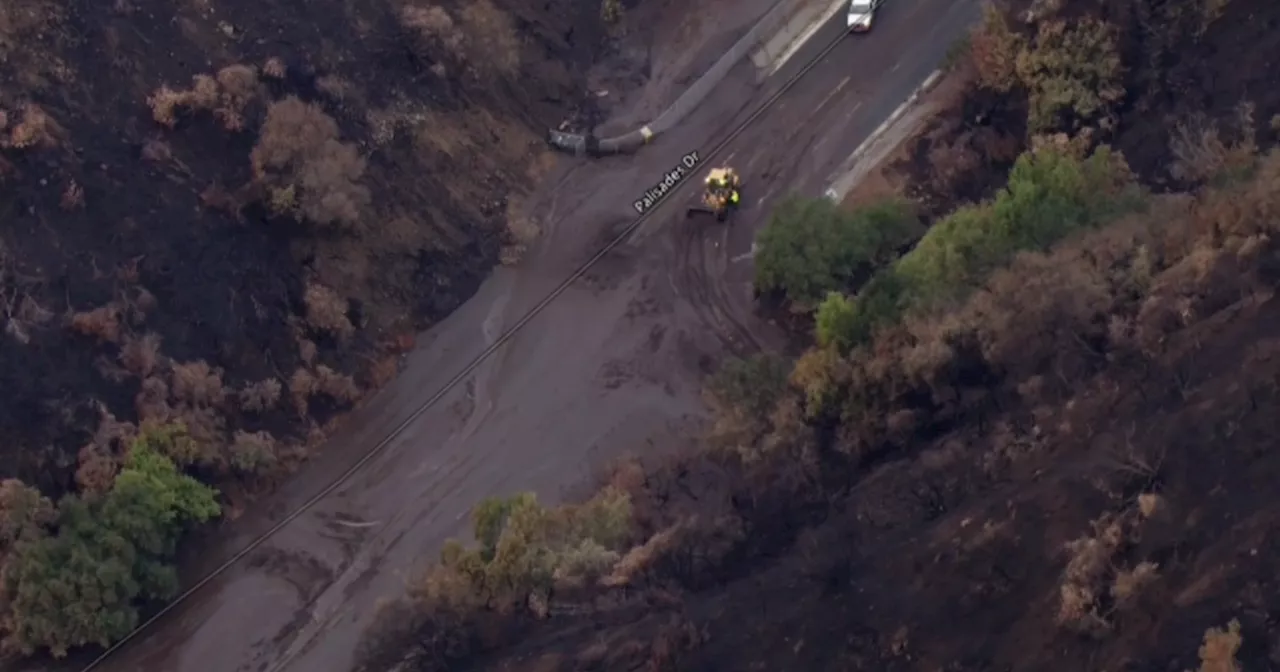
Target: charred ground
231,218
1070,467
134,190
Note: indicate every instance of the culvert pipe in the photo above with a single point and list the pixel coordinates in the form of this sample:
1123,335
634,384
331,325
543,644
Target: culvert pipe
765,29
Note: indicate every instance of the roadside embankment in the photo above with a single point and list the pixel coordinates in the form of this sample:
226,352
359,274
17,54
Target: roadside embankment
774,39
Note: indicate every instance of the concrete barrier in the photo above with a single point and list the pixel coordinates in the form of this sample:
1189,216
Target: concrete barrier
850,171
772,28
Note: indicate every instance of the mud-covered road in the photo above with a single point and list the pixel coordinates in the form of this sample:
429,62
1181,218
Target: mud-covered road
613,366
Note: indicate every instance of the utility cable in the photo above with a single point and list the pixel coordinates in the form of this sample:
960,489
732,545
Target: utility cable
462,375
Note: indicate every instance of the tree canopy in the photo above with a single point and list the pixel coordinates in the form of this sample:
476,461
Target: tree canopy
813,246
82,583
1051,194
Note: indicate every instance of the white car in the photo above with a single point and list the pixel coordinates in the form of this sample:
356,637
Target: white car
861,13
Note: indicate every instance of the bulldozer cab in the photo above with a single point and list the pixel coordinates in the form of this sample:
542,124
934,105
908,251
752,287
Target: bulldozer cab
721,194
720,178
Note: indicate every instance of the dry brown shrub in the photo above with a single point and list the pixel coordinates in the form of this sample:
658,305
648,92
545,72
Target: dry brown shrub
238,85
1074,74
253,452
140,355
434,24
35,129
1201,153
483,39
1043,311
204,93
1218,652
1128,584
496,44
640,559
304,385
1089,566
1151,505
307,351
301,386
152,401
274,68
23,511
994,48
206,429
260,396
102,323
198,384
225,95
166,103
299,151
327,311
97,469
337,386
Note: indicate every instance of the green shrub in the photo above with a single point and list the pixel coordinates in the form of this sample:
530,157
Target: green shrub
881,302
836,321
82,584
1050,195
813,246
525,549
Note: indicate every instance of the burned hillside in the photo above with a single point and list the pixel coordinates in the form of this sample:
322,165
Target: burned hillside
269,197
1038,439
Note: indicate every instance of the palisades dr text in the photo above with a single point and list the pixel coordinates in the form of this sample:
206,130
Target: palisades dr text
670,180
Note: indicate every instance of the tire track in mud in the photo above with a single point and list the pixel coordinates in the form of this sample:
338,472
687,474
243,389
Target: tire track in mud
439,484
715,311
702,289
698,276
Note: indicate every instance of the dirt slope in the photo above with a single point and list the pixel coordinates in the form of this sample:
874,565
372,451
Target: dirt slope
128,188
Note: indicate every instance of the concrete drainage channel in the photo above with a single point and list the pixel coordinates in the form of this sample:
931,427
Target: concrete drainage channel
771,43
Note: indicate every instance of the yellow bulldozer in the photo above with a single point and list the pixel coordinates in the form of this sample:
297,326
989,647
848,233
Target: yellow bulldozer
721,195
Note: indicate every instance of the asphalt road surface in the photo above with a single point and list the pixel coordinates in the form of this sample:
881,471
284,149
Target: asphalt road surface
612,367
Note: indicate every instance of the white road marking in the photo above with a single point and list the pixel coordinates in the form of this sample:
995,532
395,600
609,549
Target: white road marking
746,255
833,93
351,523
841,183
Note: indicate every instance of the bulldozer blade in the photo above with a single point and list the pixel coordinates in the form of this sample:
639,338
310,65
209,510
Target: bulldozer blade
698,211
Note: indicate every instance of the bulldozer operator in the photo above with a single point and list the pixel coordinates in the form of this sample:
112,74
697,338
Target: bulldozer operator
723,193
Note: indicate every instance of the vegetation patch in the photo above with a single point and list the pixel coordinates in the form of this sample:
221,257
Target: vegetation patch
1033,434
220,226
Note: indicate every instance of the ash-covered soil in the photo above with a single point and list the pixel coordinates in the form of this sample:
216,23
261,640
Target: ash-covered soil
1071,470
268,197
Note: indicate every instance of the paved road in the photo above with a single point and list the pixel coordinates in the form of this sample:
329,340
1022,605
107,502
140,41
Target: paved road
613,367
